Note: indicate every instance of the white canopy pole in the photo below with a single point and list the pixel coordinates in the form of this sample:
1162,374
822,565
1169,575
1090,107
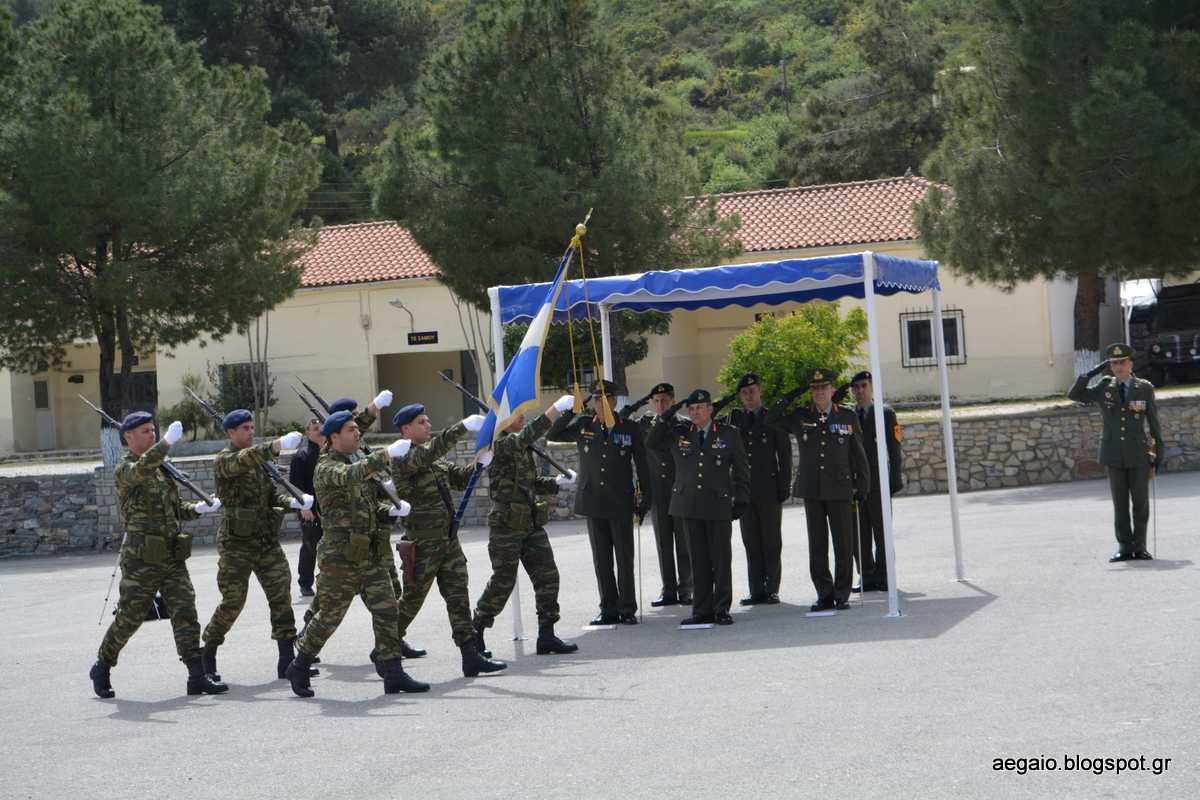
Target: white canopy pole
889,544
606,344
939,348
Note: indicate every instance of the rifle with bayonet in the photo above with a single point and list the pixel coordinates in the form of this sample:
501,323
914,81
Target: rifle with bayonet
269,467
383,478
538,451
166,466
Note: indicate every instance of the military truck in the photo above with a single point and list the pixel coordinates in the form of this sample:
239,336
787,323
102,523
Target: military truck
1174,341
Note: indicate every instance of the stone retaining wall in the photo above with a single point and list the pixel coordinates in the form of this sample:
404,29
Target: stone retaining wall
78,513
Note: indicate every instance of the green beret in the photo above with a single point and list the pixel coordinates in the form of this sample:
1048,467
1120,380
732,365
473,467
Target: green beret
699,396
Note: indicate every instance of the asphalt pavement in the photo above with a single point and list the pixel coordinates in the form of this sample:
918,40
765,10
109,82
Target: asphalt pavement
1047,652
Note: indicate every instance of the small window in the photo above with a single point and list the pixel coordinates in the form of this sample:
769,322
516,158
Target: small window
916,332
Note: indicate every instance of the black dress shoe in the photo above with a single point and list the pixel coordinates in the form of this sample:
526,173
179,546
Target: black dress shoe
772,599
841,605
723,618
1121,557
605,619
629,619
408,651
822,605
753,600
306,591
1142,555
664,599
858,589
698,619
878,586
685,599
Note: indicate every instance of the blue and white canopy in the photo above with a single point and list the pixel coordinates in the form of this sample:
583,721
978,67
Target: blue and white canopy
795,280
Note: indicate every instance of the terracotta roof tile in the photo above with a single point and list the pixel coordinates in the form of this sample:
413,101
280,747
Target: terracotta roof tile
826,216
365,252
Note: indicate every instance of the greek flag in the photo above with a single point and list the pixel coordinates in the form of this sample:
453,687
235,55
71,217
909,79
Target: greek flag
517,390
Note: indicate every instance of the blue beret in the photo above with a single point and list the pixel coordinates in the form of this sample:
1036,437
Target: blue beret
345,404
749,379
136,419
335,422
861,376
235,418
408,414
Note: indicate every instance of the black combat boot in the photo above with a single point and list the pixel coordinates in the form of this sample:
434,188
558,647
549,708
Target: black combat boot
296,643
475,663
209,659
286,654
411,652
374,656
199,682
100,682
396,680
298,673
480,647
548,643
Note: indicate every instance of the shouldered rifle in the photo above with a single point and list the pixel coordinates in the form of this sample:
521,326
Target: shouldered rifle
176,474
272,471
382,478
540,452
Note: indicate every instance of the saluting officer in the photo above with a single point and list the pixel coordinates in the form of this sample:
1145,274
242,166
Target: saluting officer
153,555
833,474
712,488
248,540
607,460
1127,408
674,563
769,452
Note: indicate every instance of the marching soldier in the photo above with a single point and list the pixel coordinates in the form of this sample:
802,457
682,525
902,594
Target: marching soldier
769,452
712,488
153,555
354,554
674,563
426,478
248,540
1127,409
607,459
832,465
872,554
300,475
516,529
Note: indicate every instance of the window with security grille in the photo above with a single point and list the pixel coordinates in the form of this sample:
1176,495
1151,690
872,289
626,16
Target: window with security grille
917,345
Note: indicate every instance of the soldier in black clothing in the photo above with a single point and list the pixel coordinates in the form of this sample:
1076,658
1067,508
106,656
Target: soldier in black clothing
300,475
873,560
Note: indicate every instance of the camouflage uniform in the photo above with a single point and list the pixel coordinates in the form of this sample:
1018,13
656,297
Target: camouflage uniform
250,545
438,557
354,553
515,523
151,508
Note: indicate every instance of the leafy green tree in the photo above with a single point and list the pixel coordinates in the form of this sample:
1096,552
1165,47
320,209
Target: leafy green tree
193,416
782,351
535,121
234,388
143,203
1075,149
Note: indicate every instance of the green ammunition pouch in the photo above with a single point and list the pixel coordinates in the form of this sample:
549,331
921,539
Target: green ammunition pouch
542,514
242,521
516,515
356,548
183,547
153,550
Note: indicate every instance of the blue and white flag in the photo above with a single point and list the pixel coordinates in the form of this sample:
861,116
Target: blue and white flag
517,390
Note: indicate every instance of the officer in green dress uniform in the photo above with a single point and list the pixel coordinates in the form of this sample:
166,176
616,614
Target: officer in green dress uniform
674,563
248,540
607,461
354,554
872,554
1127,409
712,488
153,555
833,475
769,452
426,478
516,529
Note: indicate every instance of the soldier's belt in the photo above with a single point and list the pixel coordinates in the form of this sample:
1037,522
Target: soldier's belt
153,549
519,515
245,522
437,530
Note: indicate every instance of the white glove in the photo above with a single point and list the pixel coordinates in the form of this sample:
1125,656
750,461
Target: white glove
474,422
204,508
399,448
290,440
402,511
174,433
566,480
383,399
305,506
485,459
565,403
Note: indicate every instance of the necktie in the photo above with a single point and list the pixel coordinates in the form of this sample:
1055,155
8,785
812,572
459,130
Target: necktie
862,415
1122,392
701,436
